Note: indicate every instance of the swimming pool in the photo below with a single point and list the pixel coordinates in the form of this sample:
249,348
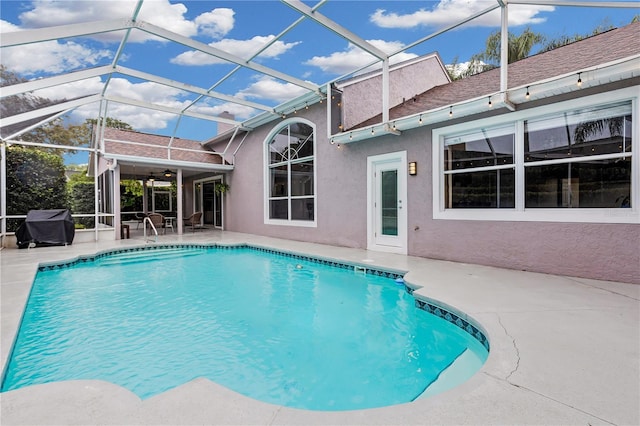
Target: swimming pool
281,328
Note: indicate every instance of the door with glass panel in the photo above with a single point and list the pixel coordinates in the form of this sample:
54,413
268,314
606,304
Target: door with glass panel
207,201
387,203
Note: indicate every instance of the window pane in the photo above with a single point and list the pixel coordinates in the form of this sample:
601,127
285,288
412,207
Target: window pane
488,189
487,147
302,140
389,198
292,173
302,209
278,187
302,178
279,146
196,195
605,130
597,184
278,209
162,201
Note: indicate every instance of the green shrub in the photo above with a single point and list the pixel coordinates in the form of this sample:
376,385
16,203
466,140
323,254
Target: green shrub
35,181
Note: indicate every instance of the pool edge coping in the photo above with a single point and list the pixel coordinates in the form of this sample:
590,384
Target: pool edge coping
449,313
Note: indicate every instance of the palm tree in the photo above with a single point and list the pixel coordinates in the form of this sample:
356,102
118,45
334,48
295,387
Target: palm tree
587,129
519,48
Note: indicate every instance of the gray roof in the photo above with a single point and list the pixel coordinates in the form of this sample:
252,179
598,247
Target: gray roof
603,48
136,144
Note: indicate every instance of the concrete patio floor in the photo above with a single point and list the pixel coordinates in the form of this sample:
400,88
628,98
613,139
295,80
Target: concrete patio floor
564,350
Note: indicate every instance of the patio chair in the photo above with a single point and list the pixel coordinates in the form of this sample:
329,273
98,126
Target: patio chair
158,221
140,219
193,220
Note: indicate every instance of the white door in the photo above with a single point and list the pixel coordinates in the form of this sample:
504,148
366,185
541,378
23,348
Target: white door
387,198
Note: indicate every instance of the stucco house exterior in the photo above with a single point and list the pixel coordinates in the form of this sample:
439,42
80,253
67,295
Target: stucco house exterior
540,178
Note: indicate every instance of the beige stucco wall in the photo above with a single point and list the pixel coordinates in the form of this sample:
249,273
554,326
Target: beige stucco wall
592,250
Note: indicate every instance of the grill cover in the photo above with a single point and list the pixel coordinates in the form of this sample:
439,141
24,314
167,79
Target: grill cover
46,228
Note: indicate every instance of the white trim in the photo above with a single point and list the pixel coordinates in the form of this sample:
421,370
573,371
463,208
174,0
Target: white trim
265,174
519,213
400,158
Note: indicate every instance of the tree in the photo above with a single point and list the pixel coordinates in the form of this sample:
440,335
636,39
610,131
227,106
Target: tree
519,47
114,123
81,191
17,104
35,180
587,129
55,132
131,195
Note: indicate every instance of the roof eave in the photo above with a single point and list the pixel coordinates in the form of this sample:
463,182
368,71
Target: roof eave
598,75
163,162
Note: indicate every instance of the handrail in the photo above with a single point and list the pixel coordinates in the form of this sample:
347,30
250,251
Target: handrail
146,219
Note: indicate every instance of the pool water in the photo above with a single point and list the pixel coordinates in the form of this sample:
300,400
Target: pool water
282,330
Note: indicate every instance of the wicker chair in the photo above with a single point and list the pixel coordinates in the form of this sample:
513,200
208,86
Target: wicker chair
158,221
193,220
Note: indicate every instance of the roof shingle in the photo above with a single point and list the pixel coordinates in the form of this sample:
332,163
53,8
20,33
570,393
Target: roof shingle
137,144
599,49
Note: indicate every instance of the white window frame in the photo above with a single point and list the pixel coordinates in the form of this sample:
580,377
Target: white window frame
520,213
266,177
198,200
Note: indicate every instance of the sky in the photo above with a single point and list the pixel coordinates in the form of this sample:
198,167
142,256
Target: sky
308,52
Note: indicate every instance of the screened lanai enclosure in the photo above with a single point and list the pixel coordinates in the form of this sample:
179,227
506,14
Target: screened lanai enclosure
65,138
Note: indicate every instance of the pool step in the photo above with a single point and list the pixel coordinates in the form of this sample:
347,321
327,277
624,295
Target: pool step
465,365
148,255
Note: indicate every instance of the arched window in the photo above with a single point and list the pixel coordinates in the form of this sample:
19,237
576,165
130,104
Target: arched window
290,175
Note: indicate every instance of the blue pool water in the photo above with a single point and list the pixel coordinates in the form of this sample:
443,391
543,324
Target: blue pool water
282,330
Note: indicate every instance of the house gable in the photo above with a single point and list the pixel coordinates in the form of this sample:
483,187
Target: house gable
362,96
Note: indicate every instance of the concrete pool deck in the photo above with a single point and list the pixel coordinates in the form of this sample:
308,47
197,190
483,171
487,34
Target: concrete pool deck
564,350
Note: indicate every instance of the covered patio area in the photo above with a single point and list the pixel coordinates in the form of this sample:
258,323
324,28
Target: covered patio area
181,179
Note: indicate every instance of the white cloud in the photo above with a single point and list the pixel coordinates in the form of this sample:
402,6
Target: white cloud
353,57
216,23
241,112
242,48
147,119
72,90
448,12
51,57
45,13
8,27
269,88
162,13
138,118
